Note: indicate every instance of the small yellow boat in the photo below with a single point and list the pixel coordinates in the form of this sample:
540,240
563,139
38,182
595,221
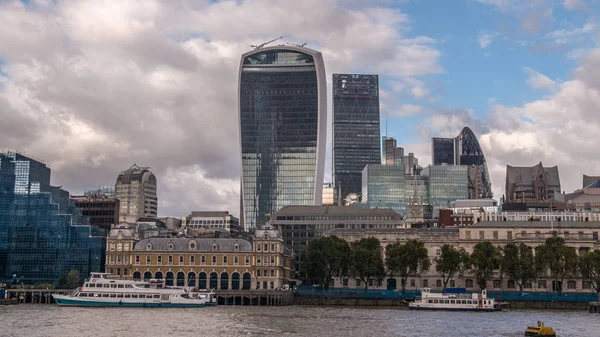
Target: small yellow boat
540,330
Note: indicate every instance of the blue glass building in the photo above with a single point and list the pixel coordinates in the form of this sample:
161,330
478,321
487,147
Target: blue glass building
283,115
445,183
42,234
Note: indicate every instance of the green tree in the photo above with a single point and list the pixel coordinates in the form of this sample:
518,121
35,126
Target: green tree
325,258
518,263
61,283
450,262
366,262
405,259
73,280
556,257
589,265
484,259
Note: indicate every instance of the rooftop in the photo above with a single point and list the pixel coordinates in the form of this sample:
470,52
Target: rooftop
334,210
537,224
196,244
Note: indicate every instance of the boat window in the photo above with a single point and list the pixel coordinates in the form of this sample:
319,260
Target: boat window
104,295
127,295
452,302
429,301
113,285
447,301
121,286
91,285
113,295
156,296
142,296
435,301
128,286
105,285
134,296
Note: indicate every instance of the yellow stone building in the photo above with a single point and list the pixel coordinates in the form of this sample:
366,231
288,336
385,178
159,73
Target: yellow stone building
204,263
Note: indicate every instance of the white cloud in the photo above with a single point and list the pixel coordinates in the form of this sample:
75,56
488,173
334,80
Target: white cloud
93,86
538,80
535,15
574,4
406,110
485,39
565,36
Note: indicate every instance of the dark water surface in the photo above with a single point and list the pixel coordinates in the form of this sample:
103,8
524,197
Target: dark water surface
49,320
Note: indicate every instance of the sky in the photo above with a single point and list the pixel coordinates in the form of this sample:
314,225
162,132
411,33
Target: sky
92,87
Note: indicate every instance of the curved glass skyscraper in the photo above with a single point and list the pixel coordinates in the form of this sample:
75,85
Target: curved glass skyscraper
283,116
468,153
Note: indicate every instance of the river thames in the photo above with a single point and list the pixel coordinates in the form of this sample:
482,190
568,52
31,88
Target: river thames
49,320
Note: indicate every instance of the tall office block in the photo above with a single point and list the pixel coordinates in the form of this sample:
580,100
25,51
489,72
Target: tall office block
136,190
42,234
442,151
391,154
283,129
355,129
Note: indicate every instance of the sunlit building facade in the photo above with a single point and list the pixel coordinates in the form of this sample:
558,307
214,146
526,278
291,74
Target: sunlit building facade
136,190
445,184
283,115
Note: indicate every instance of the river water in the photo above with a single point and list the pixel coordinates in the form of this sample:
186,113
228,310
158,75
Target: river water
32,320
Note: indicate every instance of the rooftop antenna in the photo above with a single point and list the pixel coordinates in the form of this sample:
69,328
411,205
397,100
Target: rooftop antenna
265,43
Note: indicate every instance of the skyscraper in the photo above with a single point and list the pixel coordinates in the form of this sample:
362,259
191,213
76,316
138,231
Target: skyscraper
442,151
355,129
136,190
283,117
391,154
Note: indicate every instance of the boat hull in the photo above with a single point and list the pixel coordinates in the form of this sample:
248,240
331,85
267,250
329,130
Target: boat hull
456,309
67,301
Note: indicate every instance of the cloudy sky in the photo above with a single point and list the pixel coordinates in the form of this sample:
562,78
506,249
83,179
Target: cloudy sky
91,87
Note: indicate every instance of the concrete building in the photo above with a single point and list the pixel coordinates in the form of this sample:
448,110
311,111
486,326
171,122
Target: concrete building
136,190
300,224
283,117
581,235
204,263
212,220
355,129
328,194
586,199
106,190
101,210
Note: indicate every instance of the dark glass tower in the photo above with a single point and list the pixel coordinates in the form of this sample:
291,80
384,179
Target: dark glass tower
442,151
283,116
468,153
355,129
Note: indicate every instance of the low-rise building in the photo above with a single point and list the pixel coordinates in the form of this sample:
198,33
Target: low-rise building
101,210
212,220
582,235
204,263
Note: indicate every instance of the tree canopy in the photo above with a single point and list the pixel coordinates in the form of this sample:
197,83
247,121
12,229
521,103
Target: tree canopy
450,262
554,256
366,262
589,265
484,259
326,258
405,259
518,263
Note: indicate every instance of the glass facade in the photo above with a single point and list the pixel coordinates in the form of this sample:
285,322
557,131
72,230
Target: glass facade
442,151
42,234
445,183
469,153
355,129
107,190
282,133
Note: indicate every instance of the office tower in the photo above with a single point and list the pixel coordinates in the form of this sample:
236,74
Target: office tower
355,129
328,194
43,235
445,184
283,129
136,190
107,190
391,154
442,151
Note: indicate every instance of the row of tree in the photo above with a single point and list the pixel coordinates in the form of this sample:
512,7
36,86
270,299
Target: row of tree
330,257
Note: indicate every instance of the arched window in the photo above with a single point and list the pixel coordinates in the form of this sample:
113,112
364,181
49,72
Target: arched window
236,247
224,280
171,246
202,280
214,246
149,246
235,281
213,280
192,245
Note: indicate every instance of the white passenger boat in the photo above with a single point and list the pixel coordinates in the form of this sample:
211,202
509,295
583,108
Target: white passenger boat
102,290
452,301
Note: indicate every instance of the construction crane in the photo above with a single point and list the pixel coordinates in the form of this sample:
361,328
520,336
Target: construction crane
266,43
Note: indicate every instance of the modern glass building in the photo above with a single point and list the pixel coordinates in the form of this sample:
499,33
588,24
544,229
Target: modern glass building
445,184
442,151
136,190
283,117
469,153
355,129
107,190
42,234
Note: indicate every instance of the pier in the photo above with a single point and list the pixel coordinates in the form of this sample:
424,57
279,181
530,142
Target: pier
255,297
36,296
594,308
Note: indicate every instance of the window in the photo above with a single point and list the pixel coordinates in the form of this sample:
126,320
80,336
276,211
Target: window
425,283
438,252
235,259
203,259
272,260
273,273
438,283
170,259
345,282
452,283
170,246
542,284
224,259
497,284
481,235
272,247
468,235
258,260
266,247
469,283
214,246
509,235
147,259
247,260
510,284
258,246
357,283
214,259
137,259
495,235
180,259
412,283
265,273
192,259
571,284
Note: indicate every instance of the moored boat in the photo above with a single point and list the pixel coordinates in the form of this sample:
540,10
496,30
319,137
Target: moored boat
454,301
102,290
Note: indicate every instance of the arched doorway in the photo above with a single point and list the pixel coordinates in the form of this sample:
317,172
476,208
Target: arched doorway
147,276
158,275
169,278
224,281
235,281
213,280
202,280
180,279
137,275
391,284
191,279
246,281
